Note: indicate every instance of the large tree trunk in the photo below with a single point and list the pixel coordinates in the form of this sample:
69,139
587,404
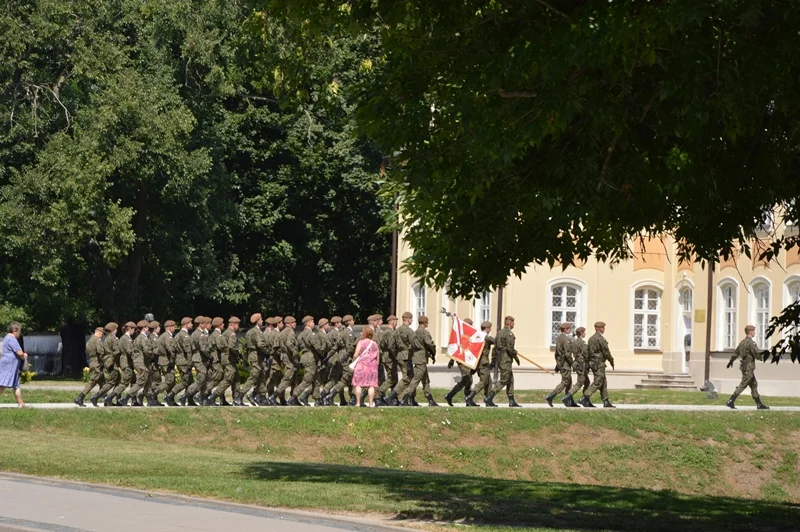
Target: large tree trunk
73,349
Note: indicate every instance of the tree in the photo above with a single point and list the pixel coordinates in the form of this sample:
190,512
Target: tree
549,131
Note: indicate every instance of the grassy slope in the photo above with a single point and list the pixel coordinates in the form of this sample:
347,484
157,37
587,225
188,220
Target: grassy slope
558,469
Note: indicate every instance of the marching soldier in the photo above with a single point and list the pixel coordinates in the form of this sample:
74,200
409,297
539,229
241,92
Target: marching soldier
165,349
228,349
388,349
348,347
483,370
747,352
110,356
598,355
125,364
183,360
309,347
215,357
141,359
94,350
256,346
404,338
322,360
564,362
289,363
581,366
466,377
154,378
197,387
273,339
423,348
334,360
505,354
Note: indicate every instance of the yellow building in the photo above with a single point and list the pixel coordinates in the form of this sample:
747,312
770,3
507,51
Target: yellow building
656,312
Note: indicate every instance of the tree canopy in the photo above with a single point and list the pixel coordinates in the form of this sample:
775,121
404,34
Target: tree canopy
536,132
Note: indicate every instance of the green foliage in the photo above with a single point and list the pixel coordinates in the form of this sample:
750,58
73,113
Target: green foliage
145,165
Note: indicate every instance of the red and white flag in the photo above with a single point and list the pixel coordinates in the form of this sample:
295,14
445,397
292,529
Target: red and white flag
466,343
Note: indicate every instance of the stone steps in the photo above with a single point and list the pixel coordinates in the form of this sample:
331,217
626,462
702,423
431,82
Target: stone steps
667,381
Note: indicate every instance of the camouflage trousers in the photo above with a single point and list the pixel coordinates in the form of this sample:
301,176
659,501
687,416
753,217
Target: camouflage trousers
582,380
420,377
566,379
186,379
748,379
465,383
126,377
95,377
111,381
599,382
506,380
167,380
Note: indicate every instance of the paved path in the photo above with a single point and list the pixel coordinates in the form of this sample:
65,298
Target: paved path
537,406
30,503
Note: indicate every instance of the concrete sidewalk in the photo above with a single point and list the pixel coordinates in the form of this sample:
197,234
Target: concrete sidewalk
31,503
536,406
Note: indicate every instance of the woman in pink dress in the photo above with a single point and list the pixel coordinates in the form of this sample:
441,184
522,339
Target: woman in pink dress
365,374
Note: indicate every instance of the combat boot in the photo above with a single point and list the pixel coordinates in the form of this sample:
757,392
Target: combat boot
550,398
79,400
607,404
512,403
223,401
414,399
760,405
488,400
108,401
342,400
352,401
586,403
470,399
405,401
190,400
731,403
94,398
137,401
282,401
123,401
449,397
380,401
293,401
170,399
303,399
391,400
431,402
572,403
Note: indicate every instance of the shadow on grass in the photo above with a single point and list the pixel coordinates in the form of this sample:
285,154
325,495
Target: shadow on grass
480,501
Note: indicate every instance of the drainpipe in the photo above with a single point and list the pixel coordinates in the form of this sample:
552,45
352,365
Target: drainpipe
709,302
500,325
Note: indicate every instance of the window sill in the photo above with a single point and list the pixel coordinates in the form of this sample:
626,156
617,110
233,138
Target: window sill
653,351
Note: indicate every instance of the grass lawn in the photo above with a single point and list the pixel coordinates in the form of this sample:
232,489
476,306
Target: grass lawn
443,468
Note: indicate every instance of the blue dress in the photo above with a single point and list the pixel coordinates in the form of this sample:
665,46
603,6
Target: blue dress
10,363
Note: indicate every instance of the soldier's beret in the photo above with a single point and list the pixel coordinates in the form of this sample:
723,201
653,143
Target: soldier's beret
130,324
510,318
378,316
749,328
599,324
98,329
347,317
486,324
207,319
142,323
407,315
306,319
216,322
322,322
289,319
255,317
468,321
153,324
169,323
565,325
277,319
184,321
269,321
422,320
233,319
111,326
199,319
336,319
391,317
580,330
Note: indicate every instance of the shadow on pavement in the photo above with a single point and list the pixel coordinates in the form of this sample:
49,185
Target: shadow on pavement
481,501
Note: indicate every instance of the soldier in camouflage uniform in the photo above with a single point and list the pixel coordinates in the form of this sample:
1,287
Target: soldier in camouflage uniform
228,349
94,350
598,355
273,362
483,370
505,355
110,356
141,362
183,360
215,370
403,338
580,352
199,346
154,377
256,347
310,349
333,359
290,363
125,364
348,347
747,352
388,349
423,348
323,329
564,362
465,383
166,354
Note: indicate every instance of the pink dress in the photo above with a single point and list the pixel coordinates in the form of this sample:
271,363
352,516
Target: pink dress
366,371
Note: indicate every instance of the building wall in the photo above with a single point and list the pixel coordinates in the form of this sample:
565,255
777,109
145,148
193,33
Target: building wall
607,294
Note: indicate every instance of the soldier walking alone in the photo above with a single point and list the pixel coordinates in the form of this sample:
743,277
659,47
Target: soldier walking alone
746,351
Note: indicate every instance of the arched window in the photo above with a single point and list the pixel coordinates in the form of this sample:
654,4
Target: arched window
760,312
565,306
685,304
794,292
727,315
646,318
418,301
482,307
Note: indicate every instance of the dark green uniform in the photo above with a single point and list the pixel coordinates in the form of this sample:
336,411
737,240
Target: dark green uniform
334,356
125,364
309,345
580,352
290,362
564,362
483,370
598,355
154,378
505,354
141,364
166,353
273,375
215,372
422,348
747,351
256,346
348,342
95,353
388,346
322,363
182,346
199,346
110,355
228,349
404,338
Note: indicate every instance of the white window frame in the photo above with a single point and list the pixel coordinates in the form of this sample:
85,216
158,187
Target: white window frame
482,307
582,304
646,286
790,283
760,316
418,292
681,314
723,311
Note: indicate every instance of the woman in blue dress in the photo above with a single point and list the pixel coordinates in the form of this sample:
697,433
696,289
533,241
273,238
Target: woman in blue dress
11,361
